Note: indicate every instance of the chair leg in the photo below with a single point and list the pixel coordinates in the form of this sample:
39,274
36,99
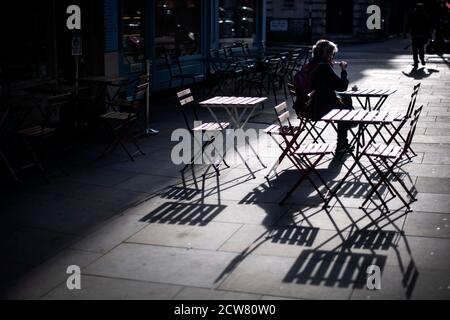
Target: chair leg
36,160
127,151
401,182
8,166
138,147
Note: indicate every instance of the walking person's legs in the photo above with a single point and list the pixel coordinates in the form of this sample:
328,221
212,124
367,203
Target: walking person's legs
422,51
415,49
342,132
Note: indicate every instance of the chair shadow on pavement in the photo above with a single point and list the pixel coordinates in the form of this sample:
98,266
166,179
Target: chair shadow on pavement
344,266
193,214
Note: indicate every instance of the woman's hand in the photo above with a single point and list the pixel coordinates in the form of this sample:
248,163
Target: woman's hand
343,65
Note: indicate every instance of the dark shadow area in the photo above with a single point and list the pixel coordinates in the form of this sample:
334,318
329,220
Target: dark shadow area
370,240
422,73
180,193
193,214
295,236
332,269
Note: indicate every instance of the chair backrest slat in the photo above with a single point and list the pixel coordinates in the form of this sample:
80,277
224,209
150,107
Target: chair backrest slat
184,93
413,101
412,130
59,100
186,99
284,117
281,108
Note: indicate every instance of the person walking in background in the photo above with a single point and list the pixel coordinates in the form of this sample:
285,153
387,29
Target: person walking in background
419,27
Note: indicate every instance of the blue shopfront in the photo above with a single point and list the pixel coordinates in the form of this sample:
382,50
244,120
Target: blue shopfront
139,32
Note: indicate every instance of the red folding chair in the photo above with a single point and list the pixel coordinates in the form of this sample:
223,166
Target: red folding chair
394,132
313,130
289,132
389,156
305,157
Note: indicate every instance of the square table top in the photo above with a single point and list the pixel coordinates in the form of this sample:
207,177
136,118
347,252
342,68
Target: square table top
374,93
104,79
53,88
363,116
238,102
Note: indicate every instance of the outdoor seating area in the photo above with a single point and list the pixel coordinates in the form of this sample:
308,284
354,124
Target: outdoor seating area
283,214
238,71
72,115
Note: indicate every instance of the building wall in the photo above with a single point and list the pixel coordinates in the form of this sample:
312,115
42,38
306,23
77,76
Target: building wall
392,16
114,62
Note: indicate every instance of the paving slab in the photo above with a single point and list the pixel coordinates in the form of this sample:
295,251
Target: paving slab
49,275
424,284
278,276
198,268
99,288
200,294
209,237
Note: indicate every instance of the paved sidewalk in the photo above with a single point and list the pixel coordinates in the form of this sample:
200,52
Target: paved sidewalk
138,233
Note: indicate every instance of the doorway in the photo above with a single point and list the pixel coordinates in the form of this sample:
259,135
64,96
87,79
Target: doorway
340,17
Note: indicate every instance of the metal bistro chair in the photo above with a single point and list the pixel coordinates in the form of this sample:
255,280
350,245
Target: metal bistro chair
389,156
187,101
289,131
312,129
226,72
35,137
306,156
125,114
396,133
176,71
264,80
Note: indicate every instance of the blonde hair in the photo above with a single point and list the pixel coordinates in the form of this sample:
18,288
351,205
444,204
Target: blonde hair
324,49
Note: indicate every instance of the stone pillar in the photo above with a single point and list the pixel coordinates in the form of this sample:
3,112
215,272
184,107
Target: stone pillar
319,18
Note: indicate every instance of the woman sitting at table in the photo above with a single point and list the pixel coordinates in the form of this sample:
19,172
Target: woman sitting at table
324,83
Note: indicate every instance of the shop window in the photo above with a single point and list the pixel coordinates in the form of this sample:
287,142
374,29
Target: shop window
133,27
178,27
26,44
237,20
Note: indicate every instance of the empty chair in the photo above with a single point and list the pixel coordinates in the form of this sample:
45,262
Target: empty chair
305,157
35,137
208,132
385,159
287,132
124,115
176,72
394,133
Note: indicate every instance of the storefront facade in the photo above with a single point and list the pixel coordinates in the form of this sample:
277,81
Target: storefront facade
119,37
141,31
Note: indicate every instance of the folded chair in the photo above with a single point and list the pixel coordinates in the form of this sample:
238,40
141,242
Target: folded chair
123,117
209,131
35,137
305,157
389,156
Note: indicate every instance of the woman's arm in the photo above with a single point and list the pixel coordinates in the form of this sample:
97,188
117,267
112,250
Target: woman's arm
336,82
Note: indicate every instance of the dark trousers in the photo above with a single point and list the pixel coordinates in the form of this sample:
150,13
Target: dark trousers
343,128
418,47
